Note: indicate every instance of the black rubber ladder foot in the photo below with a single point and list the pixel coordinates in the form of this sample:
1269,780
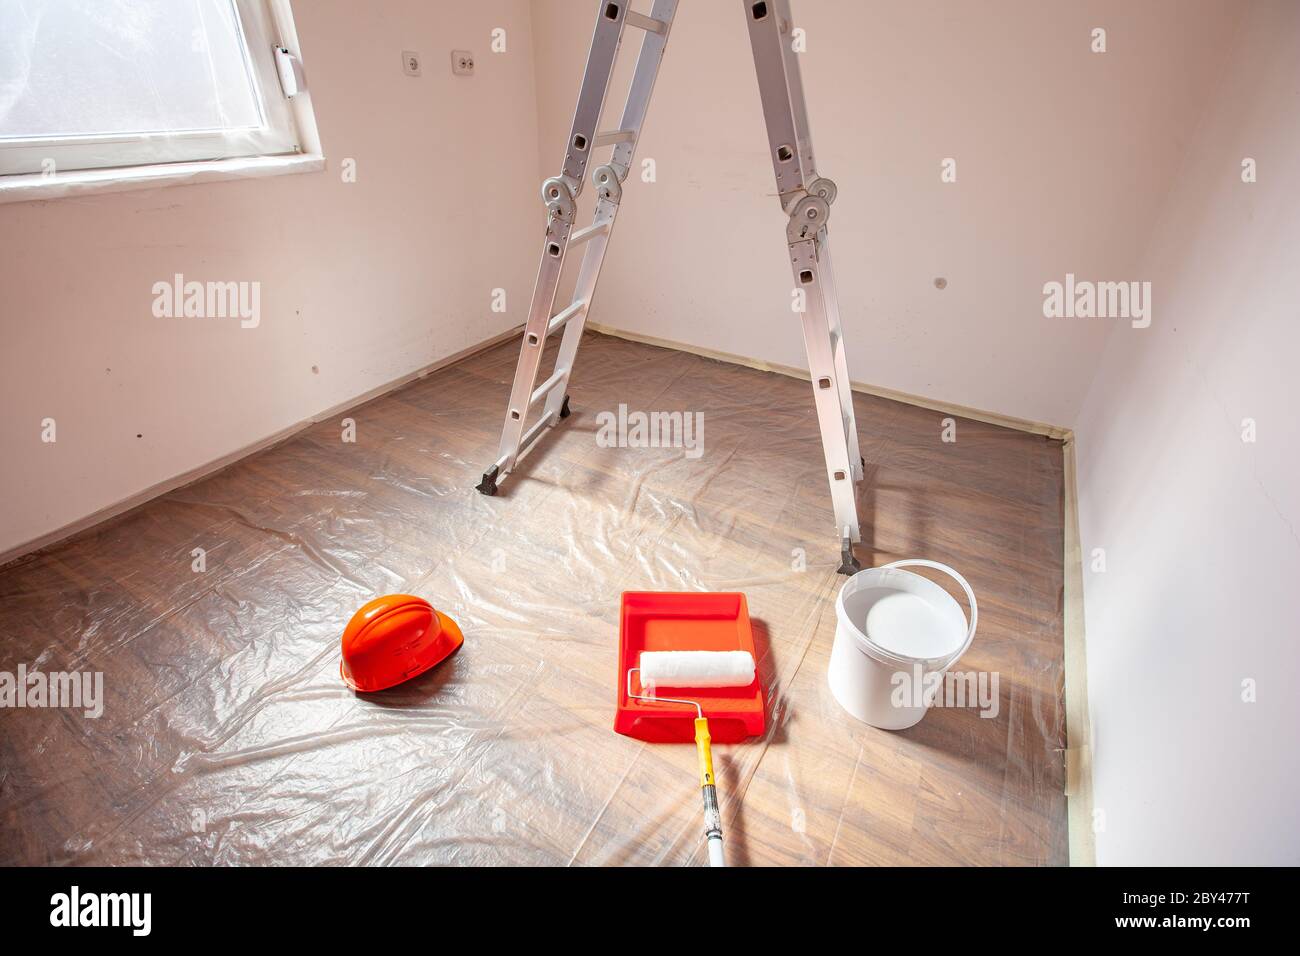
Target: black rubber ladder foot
488,486
848,563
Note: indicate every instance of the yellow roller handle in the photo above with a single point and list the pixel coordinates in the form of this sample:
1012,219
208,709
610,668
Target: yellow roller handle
703,746
712,815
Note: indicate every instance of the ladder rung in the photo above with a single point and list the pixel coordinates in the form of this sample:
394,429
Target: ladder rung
589,232
610,137
526,442
574,310
545,388
634,19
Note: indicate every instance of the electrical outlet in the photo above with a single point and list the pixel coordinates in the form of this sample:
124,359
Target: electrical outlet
410,63
462,62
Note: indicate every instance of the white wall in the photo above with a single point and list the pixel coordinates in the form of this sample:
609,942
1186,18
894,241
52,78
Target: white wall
367,281
1201,531
1062,161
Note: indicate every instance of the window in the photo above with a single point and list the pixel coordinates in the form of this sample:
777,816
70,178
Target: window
115,85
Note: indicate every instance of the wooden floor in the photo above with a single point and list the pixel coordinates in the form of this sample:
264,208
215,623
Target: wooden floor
228,737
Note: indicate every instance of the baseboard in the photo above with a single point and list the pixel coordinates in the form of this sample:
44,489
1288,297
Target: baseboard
1078,752
1078,725
217,464
951,408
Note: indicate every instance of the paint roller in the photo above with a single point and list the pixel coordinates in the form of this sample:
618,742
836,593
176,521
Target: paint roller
696,669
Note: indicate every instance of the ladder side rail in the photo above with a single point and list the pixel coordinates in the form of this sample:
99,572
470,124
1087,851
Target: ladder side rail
806,200
643,84
559,195
634,113
769,35
808,167
832,300
605,41
584,289
530,351
794,86
826,396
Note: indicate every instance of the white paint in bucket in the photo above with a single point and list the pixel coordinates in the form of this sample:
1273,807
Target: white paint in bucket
890,621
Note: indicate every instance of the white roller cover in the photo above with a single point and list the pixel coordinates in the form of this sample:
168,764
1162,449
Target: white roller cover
697,668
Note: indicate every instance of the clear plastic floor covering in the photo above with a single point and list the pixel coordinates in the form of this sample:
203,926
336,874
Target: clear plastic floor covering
228,737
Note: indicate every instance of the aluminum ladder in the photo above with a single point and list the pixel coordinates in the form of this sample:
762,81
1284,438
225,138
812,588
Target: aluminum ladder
806,199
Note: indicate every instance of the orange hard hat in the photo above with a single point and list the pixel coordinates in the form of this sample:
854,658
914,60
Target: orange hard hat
393,638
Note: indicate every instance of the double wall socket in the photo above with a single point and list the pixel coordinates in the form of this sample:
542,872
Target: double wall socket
462,62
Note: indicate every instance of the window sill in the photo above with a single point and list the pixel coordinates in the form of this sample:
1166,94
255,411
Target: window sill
85,182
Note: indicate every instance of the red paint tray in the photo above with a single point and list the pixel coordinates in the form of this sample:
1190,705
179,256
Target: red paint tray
686,621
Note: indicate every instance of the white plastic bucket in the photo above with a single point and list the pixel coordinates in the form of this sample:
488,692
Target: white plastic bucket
892,621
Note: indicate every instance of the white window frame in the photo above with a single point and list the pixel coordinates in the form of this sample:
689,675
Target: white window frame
287,142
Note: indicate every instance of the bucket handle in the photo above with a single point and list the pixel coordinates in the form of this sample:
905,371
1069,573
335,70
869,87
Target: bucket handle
970,598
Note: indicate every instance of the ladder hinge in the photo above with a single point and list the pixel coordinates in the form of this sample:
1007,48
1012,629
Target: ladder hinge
824,188
606,180
559,194
807,218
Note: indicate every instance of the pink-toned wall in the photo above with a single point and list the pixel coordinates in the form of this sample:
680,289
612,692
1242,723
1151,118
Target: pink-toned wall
1063,157
365,281
1189,492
